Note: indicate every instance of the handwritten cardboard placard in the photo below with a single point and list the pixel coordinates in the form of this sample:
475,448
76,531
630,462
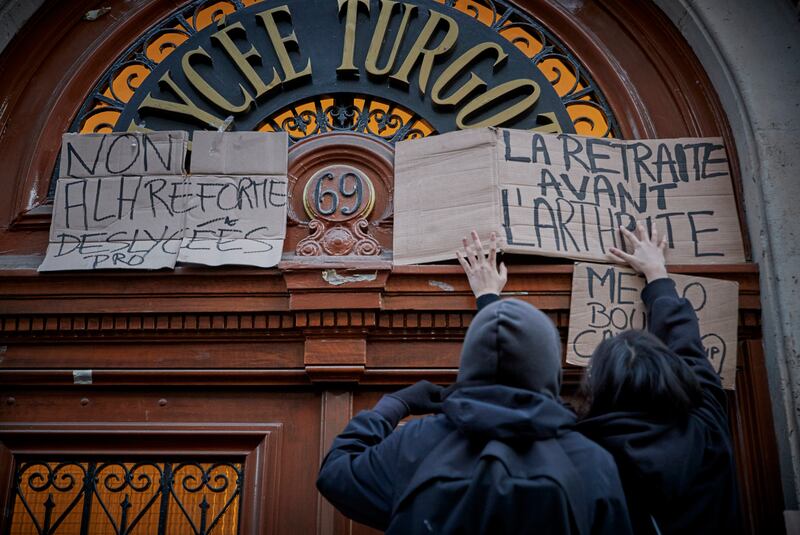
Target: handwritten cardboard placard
562,195
123,222
239,182
235,220
104,155
147,220
119,202
606,301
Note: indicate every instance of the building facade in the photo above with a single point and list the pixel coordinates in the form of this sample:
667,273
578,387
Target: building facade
201,400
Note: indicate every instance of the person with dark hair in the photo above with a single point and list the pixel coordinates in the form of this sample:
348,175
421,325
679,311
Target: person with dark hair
636,371
500,454
656,403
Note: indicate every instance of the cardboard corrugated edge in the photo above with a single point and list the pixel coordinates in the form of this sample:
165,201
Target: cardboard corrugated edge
239,153
428,161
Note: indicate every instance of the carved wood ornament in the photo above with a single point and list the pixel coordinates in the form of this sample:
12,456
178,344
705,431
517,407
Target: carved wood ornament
340,189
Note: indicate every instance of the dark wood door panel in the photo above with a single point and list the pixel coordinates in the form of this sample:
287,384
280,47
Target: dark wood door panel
230,424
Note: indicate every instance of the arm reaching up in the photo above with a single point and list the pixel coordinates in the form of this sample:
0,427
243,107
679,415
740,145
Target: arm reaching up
485,278
670,317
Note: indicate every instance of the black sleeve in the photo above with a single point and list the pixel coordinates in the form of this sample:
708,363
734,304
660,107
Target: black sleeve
673,320
611,515
357,475
486,299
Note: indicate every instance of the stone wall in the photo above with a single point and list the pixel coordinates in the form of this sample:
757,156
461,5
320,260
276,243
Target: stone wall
751,52
13,15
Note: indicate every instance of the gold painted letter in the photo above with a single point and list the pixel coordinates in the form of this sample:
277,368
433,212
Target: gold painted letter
349,47
241,59
457,67
376,45
185,107
427,54
280,43
205,89
500,94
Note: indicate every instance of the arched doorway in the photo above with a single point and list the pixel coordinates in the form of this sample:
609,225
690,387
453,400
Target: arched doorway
252,372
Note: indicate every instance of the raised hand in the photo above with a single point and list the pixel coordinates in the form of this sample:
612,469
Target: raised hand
648,252
481,269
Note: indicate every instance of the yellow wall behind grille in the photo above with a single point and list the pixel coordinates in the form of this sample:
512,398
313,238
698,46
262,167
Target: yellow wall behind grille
112,476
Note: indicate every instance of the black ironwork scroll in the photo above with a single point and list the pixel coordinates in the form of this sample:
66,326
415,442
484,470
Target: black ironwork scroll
126,498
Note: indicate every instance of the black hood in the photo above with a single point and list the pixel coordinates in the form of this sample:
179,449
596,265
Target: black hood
498,412
515,344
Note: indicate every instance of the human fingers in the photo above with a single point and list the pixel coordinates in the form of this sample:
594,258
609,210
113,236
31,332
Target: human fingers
493,249
621,255
467,255
478,248
632,240
463,261
641,233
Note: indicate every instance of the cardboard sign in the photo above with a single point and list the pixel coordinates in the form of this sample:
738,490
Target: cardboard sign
147,220
239,153
235,220
119,202
124,222
104,155
606,301
240,184
562,195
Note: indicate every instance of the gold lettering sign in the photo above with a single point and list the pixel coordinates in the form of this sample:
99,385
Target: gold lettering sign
427,54
457,67
349,48
242,59
185,107
450,83
379,37
205,89
498,94
282,43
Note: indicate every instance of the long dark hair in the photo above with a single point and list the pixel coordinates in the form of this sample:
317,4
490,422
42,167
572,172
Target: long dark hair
635,371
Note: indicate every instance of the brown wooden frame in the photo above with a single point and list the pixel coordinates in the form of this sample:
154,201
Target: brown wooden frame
256,445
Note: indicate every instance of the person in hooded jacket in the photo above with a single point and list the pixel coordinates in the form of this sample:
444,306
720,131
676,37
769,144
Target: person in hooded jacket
500,456
656,402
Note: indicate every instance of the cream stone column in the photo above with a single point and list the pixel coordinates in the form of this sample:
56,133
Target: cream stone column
751,52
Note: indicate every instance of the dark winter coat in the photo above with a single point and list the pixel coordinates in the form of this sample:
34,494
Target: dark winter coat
499,459
680,472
